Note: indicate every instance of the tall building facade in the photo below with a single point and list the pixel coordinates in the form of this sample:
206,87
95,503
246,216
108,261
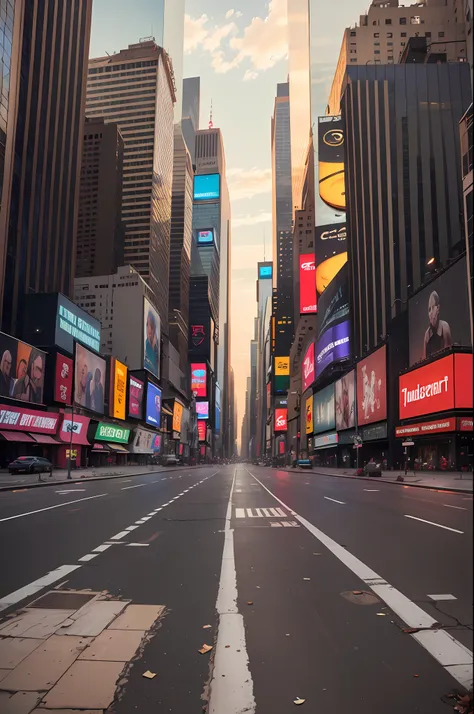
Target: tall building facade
135,89
100,235
190,113
45,54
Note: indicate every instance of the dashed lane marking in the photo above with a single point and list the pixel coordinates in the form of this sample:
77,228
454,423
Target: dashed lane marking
458,508
442,597
334,500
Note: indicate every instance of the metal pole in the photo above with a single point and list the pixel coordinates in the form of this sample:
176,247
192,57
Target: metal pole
71,429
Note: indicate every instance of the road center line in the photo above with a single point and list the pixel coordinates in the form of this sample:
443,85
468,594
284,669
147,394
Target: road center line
451,654
49,508
432,523
458,508
126,488
334,500
231,685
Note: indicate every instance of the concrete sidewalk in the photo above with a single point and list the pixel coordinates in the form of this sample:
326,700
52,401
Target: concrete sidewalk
448,481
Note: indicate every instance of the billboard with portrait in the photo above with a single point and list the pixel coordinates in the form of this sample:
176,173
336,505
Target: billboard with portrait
438,315
63,379
331,162
118,389
153,405
345,402
136,390
89,379
331,253
151,338
307,284
207,187
333,346
324,411
307,370
199,379
22,369
372,388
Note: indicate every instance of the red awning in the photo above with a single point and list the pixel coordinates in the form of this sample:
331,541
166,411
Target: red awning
100,447
16,436
44,439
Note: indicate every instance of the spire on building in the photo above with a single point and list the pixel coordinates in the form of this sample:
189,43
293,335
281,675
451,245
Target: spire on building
211,125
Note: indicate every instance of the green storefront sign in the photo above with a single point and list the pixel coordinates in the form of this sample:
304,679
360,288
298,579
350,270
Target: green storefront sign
110,432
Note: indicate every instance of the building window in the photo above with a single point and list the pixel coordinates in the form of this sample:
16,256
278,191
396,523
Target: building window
403,21
389,34
415,20
376,52
353,59
353,33
388,21
440,34
353,52
427,34
403,34
376,34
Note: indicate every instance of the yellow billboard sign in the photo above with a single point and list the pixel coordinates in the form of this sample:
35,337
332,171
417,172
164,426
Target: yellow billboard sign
177,416
282,366
309,415
120,389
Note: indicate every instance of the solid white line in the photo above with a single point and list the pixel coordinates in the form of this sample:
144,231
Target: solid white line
451,654
137,545
446,596
126,488
86,558
49,508
231,685
372,490
37,585
334,500
458,508
72,490
240,512
120,535
438,525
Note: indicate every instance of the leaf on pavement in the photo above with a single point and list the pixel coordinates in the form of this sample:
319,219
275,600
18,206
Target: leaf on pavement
149,675
298,700
205,649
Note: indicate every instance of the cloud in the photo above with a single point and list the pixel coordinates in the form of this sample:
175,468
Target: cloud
194,32
249,75
251,220
247,183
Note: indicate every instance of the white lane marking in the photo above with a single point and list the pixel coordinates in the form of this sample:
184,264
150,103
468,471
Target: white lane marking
49,508
439,643
249,513
280,512
458,508
240,512
72,490
231,685
101,548
334,500
89,556
145,519
286,524
140,522
119,536
259,512
432,523
34,587
125,480
131,528
266,512
275,524
445,596
137,545
126,488
372,490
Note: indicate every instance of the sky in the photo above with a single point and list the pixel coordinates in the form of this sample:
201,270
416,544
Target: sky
240,52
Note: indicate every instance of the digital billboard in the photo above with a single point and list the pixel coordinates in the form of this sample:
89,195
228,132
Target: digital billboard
202,427
463,382
282,366
333,346
22,369
89,379
74,323
205,237
118,389
112,432
333,305
307,368
372,388
281,420
330,247
324,412
428,389
74,430
199,379
202,410
177,416
307,284
207,187
309,415
63,379
265,272
153,405
198,335
136,389
24,419
143,442
345,402
438,315
151,338
331,162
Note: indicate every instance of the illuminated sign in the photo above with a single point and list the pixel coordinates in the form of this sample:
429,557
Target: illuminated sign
73,323
119,389
308,368
205,237
90,378
18,419
177,416
427,389
281,419
74,430
202,410
309,415
282,366
136,390
202,430
324,415
331,162
372,388
63,380
153,405
265,272
22,369
207,187
307,284
110,432
198,335
198,379
333,346
151,338
429,427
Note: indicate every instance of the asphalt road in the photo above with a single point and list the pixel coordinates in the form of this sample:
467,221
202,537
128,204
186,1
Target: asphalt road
307,582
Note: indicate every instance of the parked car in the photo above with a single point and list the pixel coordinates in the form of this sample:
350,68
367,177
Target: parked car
31,465
373,469
170,460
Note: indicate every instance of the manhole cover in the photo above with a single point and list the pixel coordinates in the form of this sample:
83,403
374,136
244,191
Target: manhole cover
62,600
360,597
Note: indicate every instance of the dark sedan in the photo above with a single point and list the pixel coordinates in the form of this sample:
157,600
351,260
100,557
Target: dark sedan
30,465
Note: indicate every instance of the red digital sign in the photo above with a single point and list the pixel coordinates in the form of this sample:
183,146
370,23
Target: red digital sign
136,389
428,389
281,447
281,419
202,430
74,429
198,379
307,368
18,419
307,284
63,380
372,388
427,427
463,381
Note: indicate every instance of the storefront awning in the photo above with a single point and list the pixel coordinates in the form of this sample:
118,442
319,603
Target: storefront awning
44,439
100,447
17,436
117,447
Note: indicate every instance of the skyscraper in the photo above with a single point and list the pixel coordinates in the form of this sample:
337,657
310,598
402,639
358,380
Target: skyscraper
135,89
49,46
190,113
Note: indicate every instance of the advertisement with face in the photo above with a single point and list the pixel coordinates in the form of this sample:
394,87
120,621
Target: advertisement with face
333,346
309,415
345,402
331,162
118,384
199,379
324,417
136,389
428,389
152,338
331,253
307,284
281,419
202,410
89,379
307,371
333,305
22,369
372,388
438,315
153,405
63,379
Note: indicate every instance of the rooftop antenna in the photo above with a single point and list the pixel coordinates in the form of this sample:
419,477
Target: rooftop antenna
211,125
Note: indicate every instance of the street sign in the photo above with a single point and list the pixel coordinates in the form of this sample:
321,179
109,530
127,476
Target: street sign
408,443
357,446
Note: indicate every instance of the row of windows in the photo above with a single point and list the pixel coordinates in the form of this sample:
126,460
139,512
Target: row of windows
121,82
105,103
117,67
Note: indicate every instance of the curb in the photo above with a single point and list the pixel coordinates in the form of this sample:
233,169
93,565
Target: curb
377,479
86,479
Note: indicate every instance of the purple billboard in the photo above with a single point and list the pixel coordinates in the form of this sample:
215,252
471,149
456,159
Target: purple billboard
333,346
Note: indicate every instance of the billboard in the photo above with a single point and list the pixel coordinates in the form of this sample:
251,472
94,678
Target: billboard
202,410
345,402
202,426
118,389
331,162
438,316
372,388
74,430
153,405
428,389
331,253
282,366
177,416
333,305
143,442
463,383
207,187
74,323
136,390
281,419
151,338
307,284
22,369
324,410
205,237
265,272
307,371
333,346
89,379
198,335
20,419
63,379
309,415
199,379
112,432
